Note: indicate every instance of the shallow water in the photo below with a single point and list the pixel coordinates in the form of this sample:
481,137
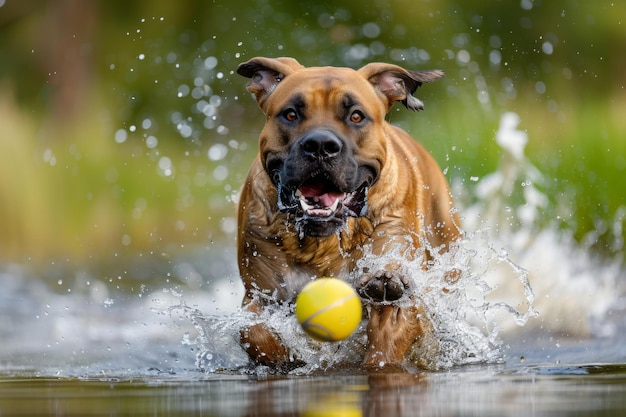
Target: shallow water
75,354
532,390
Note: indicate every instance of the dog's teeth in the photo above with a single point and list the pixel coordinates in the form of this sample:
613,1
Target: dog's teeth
305,205
298,193
315,210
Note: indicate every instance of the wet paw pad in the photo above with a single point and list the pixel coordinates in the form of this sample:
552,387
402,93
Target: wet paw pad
382,286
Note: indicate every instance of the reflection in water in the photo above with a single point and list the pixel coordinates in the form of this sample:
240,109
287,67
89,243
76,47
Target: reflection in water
589,390
338,404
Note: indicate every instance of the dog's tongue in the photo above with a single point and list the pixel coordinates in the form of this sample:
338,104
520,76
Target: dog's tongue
318,193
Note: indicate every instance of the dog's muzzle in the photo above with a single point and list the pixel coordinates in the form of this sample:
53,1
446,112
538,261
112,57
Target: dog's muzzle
321,184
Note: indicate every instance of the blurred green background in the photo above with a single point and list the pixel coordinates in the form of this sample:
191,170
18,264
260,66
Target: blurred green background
125,132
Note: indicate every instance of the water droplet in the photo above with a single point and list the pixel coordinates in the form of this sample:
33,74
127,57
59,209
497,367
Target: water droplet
371,30
217,152
210,62
220,173
152,142
165,166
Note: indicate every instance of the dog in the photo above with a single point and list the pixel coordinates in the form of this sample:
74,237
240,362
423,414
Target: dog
333,177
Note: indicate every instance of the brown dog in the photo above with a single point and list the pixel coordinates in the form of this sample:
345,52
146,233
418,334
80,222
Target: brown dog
333,177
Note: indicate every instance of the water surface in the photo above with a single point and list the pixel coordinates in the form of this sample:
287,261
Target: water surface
70,354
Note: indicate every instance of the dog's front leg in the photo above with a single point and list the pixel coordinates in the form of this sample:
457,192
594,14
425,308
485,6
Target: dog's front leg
261,343
393,327
391,331
263,346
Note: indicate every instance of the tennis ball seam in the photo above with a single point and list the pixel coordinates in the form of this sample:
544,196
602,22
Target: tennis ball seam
328,307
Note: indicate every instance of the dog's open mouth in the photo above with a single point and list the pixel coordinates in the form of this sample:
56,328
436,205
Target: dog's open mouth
318,198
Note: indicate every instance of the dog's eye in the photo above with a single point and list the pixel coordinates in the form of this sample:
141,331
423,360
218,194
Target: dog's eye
357,117
290,115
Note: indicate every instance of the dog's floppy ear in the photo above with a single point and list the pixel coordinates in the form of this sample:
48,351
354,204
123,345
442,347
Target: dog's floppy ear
398,84
266,73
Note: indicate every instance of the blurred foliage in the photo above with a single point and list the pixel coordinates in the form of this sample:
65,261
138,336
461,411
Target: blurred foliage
126,130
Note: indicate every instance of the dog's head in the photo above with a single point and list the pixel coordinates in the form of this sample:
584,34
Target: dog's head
323,144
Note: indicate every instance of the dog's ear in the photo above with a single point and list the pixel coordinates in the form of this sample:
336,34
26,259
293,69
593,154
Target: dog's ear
266,73
398,84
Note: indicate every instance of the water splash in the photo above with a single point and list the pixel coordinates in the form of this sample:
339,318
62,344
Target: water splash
574,290
460,313
493,293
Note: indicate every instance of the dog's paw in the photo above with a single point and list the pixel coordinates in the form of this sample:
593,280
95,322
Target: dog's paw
263,345
382,286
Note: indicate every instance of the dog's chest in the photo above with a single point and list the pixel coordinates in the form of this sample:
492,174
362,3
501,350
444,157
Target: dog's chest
335,255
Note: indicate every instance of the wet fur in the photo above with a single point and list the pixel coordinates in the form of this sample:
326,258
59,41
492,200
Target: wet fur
410,197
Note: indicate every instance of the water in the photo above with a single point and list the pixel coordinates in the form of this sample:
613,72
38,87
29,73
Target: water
581,390
536,328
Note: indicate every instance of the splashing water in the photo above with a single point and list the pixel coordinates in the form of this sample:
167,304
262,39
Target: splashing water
459,311
574,291
505,249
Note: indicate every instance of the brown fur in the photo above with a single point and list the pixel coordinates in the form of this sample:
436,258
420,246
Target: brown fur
408,197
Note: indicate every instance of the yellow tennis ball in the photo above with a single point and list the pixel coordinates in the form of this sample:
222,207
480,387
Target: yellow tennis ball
328,309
